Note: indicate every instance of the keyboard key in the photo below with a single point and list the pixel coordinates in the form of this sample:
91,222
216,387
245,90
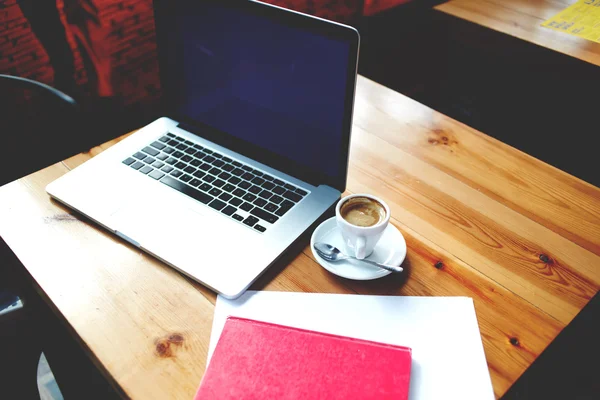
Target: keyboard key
239,192
186,158
168,150
171,161
246,206
149,160
248,176
235,201
197,146
292,196
181,165
237,172
208,178
281,183
227,167
218,163
158,164
158,145
185,189
287,185
178,154
271,207
225,196
176,173
217,204
258,181
276,199
195,182
195,162
215,192
282,210
137,165
287,203
173,143
181,146
260,228
267,177
190,150
164,139
278,190
208,159
265,194
229,210
224,175
162,156
150,150
262,214
255,189
169,134
215,171
226,159
139,155
189,169
199,174
218,183
129,161
207,151
250,221
246,168
237,217
249,197
205,167
166,169
301,192
228,187
156,174
146,169
257,173
217,155
234,180
199,155
206,187
268,185
244,184
188,142
260,202
186,178
237,163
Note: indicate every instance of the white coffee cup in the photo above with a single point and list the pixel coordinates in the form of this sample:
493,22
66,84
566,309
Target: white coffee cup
360,241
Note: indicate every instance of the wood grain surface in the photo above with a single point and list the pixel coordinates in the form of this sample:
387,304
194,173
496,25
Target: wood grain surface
480,218
523,19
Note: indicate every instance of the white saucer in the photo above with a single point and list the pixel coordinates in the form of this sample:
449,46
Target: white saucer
391,249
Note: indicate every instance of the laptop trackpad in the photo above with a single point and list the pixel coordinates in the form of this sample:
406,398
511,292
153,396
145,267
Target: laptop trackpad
182,236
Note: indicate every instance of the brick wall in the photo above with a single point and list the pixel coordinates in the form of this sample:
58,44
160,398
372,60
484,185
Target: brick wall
121,49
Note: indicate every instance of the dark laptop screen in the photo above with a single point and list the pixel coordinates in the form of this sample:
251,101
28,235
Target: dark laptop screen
274,85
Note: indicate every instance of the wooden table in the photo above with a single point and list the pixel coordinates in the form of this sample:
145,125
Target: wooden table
523,19
480,218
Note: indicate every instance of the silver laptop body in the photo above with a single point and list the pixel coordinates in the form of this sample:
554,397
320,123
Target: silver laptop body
172,192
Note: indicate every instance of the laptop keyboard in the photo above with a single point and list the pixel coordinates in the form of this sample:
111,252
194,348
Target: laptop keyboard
235,189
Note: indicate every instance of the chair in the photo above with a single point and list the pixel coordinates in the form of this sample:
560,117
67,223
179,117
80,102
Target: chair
39,125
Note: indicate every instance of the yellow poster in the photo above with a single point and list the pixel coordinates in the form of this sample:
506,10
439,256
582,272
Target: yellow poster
581,19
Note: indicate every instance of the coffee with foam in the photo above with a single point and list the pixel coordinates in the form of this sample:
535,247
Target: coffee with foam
362,211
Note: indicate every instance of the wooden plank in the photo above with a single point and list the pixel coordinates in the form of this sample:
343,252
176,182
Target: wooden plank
496,240
523,19
542,193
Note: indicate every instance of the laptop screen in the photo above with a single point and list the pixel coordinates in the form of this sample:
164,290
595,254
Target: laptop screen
274,85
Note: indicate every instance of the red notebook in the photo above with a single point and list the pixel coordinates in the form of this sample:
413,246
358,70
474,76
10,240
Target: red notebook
259,360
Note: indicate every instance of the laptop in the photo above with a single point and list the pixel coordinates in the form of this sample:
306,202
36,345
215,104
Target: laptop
252,149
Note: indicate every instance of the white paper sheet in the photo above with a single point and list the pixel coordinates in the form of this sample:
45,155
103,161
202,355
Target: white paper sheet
448,358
